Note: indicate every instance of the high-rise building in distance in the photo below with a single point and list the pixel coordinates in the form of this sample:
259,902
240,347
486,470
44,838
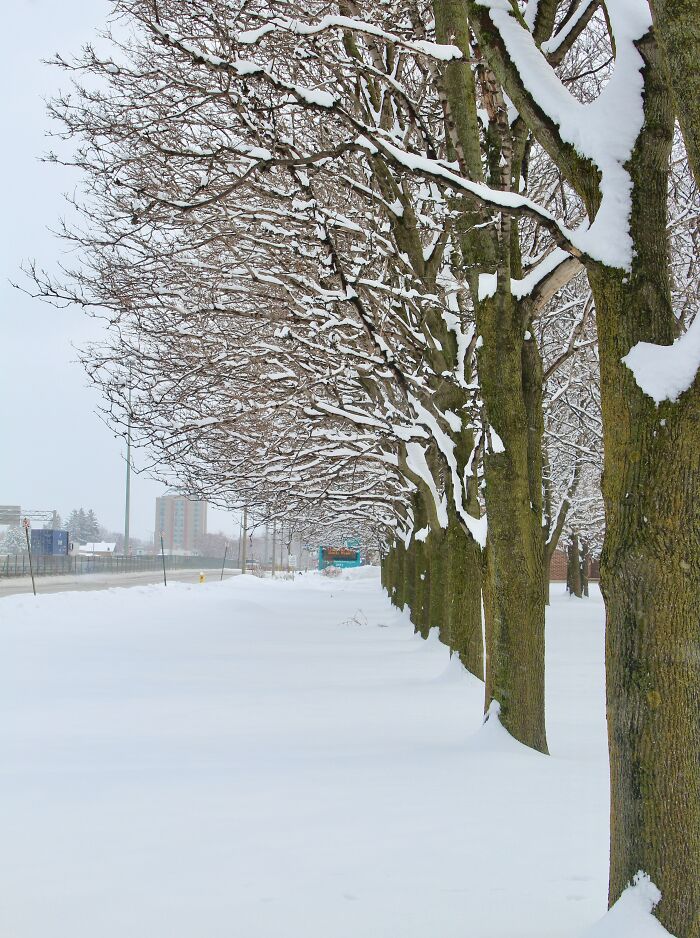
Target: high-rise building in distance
182,522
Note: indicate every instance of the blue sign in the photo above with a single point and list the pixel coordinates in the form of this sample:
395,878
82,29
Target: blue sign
49,543
338,557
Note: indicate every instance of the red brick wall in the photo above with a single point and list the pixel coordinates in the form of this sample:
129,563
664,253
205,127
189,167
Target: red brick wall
557,567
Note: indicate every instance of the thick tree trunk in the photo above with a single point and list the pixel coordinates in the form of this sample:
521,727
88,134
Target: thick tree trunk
437,549
409,577
507,373
487,611
515,662
454,573
463,591
573,569
421,581
397,595
385,566
650,577
421,609
650,566
677,26
585,567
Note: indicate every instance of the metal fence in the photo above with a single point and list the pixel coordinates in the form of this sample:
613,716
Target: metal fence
45,565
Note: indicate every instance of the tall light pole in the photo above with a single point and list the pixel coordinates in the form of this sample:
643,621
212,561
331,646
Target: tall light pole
274,547
127,500
244,547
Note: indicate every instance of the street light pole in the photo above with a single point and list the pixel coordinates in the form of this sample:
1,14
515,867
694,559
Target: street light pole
127,504
244,548
127,507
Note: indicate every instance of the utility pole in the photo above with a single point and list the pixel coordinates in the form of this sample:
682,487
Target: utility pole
127,505
274,545
127,498
223,563
244,543
162,554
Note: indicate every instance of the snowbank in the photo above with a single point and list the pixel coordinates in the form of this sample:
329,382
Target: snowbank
631,916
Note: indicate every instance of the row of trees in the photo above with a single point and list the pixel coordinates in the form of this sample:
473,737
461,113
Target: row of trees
410,270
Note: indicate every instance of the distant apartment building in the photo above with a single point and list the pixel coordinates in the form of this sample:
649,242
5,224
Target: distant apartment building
182,522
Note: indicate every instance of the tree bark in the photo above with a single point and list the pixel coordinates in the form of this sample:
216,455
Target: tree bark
677,27
420,610
385,570
515,654
397,596
585,567
488,604
463,589
573,569
437,548
409,576
650,565
515,602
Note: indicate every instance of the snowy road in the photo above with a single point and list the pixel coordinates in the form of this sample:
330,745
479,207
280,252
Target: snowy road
257,759
101,581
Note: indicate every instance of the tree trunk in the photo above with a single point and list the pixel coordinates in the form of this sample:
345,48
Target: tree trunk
650,577
397,596
437,547
463,591
650,566
421,581
573,568
515,654
488,614
515,585
384,568
420,613
585,567
677,27
409,578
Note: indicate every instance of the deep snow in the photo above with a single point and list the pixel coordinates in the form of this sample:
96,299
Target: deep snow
287,760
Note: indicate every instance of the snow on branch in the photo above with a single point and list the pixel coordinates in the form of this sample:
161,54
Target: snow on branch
664,372
602,132
435,50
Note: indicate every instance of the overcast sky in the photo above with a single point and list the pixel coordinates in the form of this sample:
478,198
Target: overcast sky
55,452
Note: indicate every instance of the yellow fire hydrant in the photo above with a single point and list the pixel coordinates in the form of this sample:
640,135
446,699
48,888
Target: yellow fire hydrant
202,578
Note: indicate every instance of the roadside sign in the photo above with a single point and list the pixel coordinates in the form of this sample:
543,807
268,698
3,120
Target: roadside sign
10,514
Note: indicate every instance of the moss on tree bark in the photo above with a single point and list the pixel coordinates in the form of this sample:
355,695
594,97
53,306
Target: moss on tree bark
650,565
515,663
463,591
677,26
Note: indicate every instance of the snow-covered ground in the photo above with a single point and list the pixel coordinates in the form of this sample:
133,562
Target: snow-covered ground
259,759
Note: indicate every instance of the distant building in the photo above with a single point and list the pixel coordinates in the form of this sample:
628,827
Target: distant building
97,549
558,567
182,522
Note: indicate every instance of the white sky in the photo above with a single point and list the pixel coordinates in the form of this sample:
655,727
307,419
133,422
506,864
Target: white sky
55,452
